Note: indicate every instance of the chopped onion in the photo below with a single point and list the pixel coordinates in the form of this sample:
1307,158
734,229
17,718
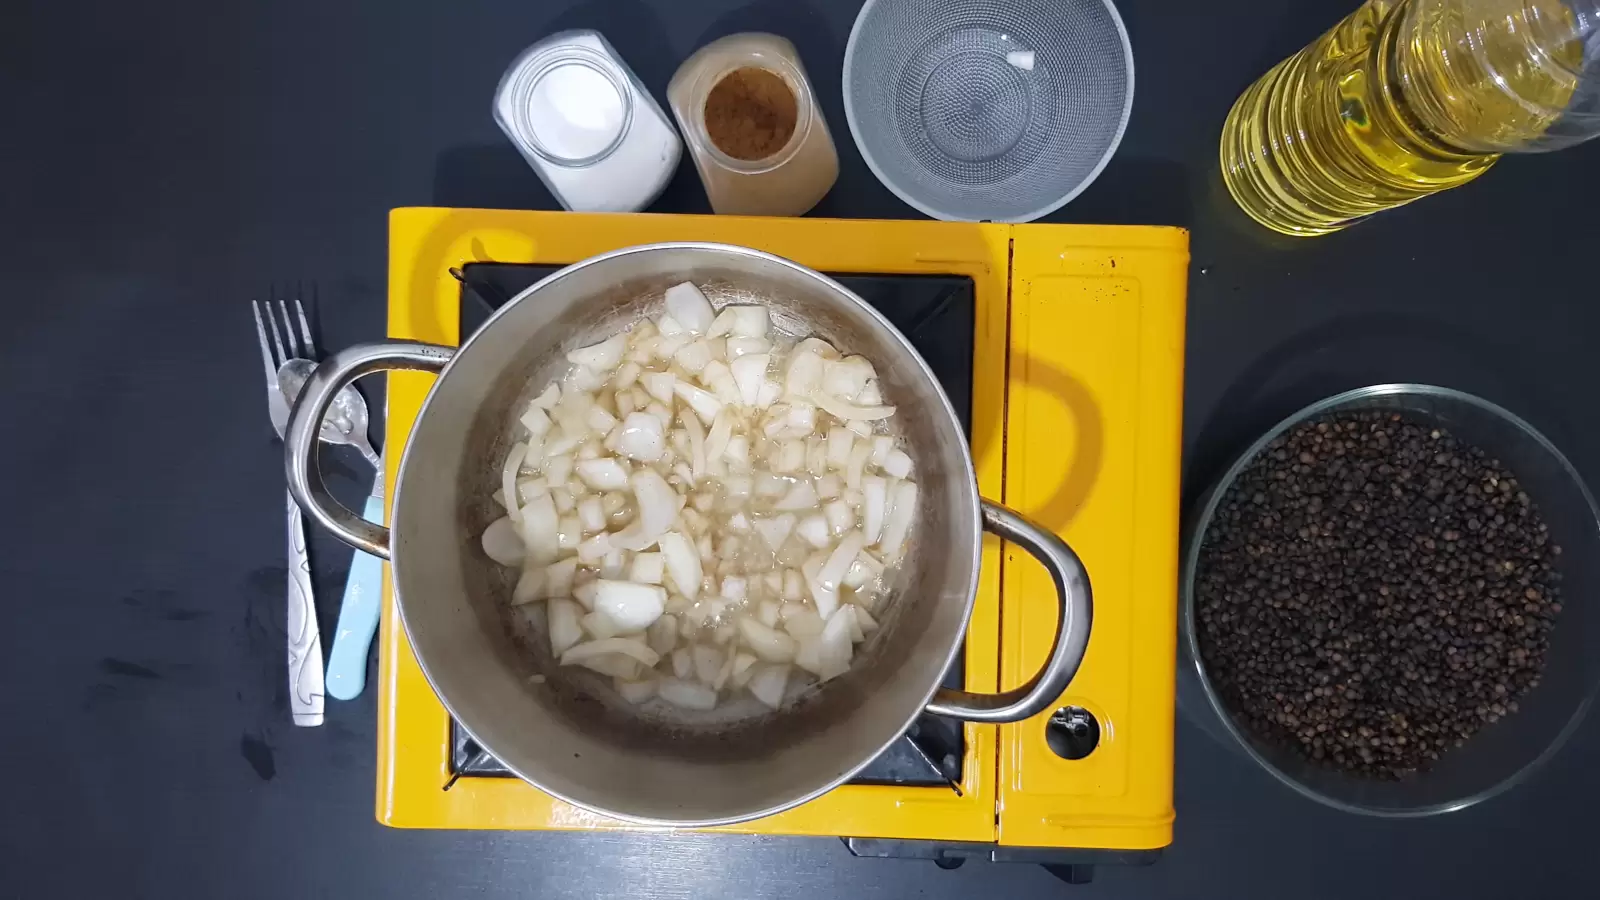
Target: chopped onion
750,537
536,420
722,324
689,307
882,446
693,357
719,378
742,664
833,571
751,321
530,586
903,506
687,694
841,517
648,568
766,642
801,622
697,444
840,441
559,576
530,489
663,634
599,625
602,356
814,530
857,466
801,495
624,646
682,562
603,474
898,464
508,479
846,377
721,431
775,530
591,515
707,662
844,409
749,374
540,524
592,552
793,585
744,346
632,605
600,421
727,665
564,628
703,402
768,684
658,506
876,493
867,623
817,347
804,373
502,544
643,438
660,385
636,692
626,377
547,398
770,392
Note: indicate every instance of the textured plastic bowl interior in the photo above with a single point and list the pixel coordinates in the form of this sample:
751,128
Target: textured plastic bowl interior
942,103
1505,752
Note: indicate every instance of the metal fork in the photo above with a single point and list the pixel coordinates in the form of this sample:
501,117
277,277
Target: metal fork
305,640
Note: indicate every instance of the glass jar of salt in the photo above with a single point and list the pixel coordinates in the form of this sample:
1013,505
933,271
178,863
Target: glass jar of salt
585,123
753,126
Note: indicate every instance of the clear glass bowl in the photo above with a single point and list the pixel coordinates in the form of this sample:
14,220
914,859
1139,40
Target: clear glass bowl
1504,753
994,110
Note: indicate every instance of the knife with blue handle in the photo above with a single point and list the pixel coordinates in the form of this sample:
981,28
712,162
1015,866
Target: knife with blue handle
358,613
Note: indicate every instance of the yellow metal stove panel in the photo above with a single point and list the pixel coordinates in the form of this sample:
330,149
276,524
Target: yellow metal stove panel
1075,421
1093,425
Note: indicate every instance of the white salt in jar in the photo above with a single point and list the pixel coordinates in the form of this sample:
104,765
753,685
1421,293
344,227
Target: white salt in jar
587,126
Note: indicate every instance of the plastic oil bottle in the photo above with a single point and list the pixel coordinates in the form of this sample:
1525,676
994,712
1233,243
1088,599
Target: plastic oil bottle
1405,98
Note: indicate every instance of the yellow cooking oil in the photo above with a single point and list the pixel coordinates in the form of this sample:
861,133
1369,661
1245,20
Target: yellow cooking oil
1402,99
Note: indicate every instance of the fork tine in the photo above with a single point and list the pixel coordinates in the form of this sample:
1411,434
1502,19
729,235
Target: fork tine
266,350
277,342
290,340
305,328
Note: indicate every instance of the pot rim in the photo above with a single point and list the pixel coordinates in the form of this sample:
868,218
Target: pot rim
972,501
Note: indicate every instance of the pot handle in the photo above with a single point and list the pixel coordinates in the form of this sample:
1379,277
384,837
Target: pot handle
1072,631
300,444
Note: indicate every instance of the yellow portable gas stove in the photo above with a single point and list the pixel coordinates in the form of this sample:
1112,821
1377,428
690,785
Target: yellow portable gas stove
1063,344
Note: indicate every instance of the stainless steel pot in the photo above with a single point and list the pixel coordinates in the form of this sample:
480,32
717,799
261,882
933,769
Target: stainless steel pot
568,735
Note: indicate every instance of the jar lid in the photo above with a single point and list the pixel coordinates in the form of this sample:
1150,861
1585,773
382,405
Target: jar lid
575,109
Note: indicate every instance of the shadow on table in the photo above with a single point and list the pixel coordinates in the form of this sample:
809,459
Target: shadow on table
1341,355
1133,190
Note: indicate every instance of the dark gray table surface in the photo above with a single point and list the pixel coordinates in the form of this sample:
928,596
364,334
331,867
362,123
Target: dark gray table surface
162,163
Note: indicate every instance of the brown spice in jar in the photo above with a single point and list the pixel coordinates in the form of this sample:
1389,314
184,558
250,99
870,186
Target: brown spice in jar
751,113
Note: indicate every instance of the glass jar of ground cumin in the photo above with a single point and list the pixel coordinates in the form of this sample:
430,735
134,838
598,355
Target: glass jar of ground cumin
753,127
